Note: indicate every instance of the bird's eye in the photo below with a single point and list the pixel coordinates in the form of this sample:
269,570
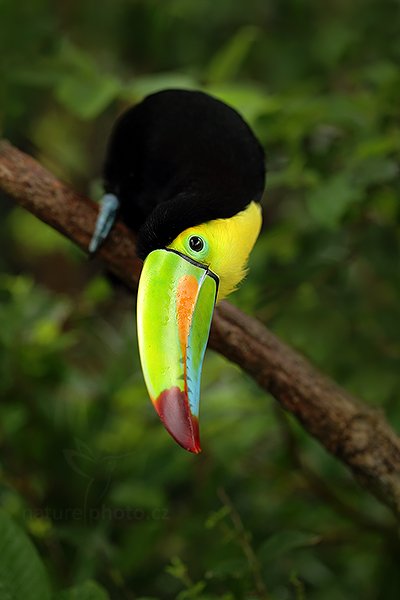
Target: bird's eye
196,243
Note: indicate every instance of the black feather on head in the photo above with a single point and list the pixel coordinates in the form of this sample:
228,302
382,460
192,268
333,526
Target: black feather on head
178,159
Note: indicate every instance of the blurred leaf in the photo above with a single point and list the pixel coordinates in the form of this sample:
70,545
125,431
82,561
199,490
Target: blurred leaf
251,101
97,291
84,90
298,587
284,542
333,41
375,170
137,495
27,230
39,527
87,94
382,73
178,569
229,59
22,575
149,84
217,516
380,145
329,202
14,419
89,590
194,591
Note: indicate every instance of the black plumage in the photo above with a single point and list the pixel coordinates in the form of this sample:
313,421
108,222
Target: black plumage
178,159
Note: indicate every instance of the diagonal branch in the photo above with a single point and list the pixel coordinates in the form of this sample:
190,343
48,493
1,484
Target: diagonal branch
357,435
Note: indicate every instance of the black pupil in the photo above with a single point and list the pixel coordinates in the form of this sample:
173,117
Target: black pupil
196,243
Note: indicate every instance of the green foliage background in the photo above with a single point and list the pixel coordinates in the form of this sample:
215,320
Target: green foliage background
112,507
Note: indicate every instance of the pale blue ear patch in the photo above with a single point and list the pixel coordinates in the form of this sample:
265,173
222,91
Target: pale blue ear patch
109,206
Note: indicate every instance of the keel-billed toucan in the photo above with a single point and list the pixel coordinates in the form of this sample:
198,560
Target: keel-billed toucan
186,173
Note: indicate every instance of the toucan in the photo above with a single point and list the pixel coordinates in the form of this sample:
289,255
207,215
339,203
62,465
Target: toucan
186,174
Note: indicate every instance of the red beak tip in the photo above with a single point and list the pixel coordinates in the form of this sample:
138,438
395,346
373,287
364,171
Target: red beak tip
191,445
195,449
173,409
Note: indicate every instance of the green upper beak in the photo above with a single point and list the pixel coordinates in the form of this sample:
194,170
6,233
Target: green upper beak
175,304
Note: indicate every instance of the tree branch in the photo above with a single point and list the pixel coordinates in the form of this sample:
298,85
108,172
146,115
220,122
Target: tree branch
359,436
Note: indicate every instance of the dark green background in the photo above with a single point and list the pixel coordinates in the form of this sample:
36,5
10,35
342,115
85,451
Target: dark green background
87,471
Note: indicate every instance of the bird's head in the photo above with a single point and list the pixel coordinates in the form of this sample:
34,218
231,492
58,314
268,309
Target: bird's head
223,246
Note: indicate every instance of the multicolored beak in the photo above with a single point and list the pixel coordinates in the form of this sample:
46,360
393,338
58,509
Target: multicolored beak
175,304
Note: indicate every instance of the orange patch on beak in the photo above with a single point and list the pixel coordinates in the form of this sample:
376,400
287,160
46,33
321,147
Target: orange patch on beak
186,300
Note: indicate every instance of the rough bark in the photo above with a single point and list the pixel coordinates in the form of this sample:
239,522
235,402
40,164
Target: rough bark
357,435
